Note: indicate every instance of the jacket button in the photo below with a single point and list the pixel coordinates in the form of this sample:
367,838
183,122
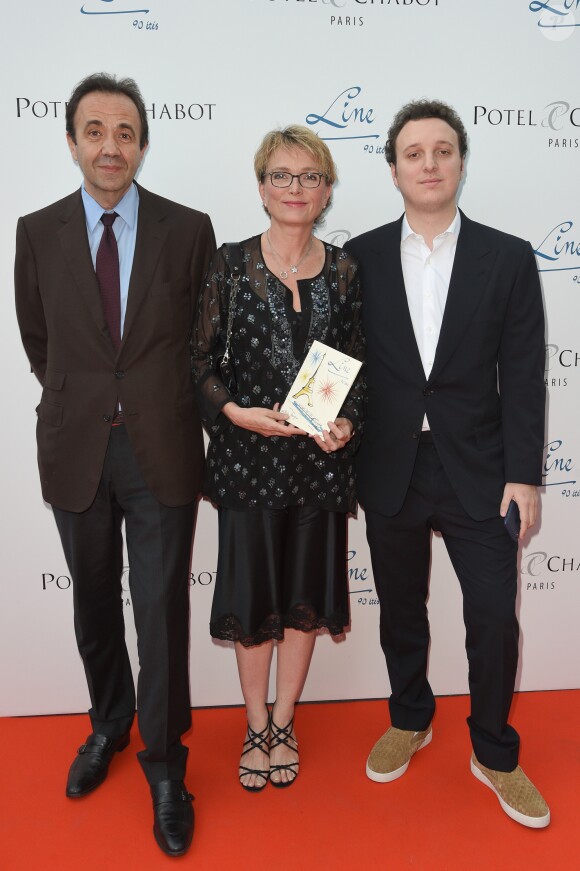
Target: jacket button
414,435
428,391
107,418
119,374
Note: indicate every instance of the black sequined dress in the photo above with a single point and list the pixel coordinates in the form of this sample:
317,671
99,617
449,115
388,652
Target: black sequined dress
245,470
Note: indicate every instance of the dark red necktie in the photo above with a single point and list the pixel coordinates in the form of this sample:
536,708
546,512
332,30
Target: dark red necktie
107,269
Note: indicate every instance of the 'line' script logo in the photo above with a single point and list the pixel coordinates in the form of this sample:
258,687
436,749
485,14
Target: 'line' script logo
559,252
346,118
557,465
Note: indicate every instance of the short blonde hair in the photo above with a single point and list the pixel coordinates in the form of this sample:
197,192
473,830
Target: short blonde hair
291,137
295,136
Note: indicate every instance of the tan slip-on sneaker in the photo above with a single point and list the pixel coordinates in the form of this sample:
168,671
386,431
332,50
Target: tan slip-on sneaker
517,794
392,753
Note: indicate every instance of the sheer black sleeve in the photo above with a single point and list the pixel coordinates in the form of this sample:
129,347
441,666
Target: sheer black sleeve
208,339
352,340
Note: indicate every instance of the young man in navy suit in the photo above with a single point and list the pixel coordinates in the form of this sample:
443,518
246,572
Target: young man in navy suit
454,328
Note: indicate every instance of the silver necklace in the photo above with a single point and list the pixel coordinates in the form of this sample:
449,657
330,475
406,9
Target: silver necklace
293,267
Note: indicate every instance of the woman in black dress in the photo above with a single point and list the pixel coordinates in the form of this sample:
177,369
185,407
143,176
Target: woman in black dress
282,496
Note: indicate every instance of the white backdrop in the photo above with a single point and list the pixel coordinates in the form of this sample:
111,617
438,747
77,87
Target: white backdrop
216,75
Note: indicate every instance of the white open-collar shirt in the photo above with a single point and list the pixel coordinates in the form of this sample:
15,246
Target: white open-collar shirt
427,275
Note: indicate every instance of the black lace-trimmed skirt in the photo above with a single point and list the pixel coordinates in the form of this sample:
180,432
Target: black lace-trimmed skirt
277,569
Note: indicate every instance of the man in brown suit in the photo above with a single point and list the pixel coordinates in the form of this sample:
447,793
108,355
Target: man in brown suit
119,438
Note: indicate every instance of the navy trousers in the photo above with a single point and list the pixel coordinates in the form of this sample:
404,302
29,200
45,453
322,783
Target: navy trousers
485,560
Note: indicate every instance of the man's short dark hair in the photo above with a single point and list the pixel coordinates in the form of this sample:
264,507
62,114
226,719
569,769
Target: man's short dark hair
107,84
419,110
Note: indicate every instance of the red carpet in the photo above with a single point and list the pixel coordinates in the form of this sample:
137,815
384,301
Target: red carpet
435,818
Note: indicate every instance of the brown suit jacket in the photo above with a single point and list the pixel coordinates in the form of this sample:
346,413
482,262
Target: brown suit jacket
66,339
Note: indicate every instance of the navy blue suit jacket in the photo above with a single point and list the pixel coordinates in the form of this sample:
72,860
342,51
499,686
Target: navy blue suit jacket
485,395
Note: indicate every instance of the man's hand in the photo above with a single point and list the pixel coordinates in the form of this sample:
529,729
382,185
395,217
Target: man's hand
336,436
526,497
264,421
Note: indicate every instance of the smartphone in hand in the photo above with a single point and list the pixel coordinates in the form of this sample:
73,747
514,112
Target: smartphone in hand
512,521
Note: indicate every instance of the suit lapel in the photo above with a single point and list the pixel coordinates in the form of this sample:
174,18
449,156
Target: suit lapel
75,245
471,267
151,236
396,305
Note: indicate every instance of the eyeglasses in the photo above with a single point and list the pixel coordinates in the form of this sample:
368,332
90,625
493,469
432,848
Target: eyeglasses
285,179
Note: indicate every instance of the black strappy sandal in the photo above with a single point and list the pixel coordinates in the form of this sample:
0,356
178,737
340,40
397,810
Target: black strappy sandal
256,741
283,735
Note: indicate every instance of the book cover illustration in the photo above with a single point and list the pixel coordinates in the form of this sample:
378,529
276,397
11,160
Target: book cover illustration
320,388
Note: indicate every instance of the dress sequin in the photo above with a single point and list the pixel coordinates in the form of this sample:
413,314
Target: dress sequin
269,343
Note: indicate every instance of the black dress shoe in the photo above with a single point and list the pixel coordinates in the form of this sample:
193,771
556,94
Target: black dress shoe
173,816
92,763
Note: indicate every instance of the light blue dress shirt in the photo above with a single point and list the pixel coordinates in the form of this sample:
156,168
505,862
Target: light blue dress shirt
125,230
